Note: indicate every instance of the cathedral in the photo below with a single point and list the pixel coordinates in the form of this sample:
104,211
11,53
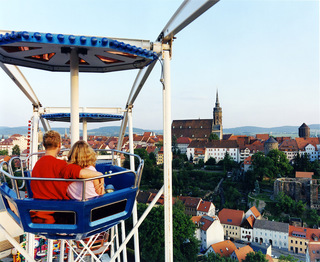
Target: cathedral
200,129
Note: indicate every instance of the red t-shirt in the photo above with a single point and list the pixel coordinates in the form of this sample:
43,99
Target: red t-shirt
51,167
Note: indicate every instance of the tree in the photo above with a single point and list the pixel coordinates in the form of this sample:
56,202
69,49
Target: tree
16,150
212,257
303,163
211,161
227,162
213,137
287,258
174,144
255,257
261,165
280,163
3,152
185,246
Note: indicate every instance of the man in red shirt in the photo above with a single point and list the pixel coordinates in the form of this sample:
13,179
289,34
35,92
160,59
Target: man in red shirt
49,166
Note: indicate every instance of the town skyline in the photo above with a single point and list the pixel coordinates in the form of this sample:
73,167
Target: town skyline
262,57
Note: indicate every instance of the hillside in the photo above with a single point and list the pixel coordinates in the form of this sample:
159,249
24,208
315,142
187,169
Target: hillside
114,130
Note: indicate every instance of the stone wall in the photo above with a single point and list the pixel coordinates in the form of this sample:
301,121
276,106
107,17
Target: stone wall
303,189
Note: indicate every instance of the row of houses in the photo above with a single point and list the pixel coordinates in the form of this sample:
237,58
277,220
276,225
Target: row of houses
240,148
16,139
249,227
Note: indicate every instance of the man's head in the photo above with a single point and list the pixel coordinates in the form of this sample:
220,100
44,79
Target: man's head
51,140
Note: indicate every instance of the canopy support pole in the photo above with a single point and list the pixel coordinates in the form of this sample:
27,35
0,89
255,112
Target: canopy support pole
85,130
167,167
34,133
132,167
74,78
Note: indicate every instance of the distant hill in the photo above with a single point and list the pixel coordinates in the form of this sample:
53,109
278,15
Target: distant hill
114,130
101,131
276,131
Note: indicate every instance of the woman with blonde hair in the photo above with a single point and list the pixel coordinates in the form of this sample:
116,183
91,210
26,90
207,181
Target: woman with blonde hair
83,155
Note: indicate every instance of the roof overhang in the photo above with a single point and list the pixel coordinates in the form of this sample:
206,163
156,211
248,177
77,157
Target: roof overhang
88,117
52,52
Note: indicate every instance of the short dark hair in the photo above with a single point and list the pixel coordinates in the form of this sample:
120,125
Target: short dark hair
51,139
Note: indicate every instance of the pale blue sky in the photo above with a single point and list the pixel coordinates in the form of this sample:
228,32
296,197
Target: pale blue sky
262,56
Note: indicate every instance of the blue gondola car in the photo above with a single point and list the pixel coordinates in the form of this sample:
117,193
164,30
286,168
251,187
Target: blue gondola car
73,219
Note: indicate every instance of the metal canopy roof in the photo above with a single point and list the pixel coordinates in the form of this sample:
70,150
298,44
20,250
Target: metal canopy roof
89,117
51,52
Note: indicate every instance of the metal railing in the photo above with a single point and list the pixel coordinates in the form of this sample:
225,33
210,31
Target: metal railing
9,174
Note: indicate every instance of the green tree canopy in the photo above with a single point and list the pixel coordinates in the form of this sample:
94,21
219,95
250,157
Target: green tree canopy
261,165
287,258
3,152
212,257
211,161
16,150
185,246
280,163
255,257
213,137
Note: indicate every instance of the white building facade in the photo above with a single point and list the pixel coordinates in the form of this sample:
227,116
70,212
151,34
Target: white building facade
271,232
208,231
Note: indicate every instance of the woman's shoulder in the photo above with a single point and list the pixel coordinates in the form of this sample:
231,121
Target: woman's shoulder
91,168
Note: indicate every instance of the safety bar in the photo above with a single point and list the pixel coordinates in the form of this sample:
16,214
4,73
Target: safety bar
21,167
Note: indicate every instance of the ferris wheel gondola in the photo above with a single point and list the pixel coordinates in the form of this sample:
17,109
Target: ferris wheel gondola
72,219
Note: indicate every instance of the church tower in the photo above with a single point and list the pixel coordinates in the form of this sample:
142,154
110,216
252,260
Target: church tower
217,118
217,112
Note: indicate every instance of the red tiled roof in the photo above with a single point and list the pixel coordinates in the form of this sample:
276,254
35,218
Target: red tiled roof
269,258
184,140
251,220
264,137
289,145
255,211
190,201
303,142
194,128
196,219
151,149
205,223
224,248
313,248
310,233
242,252
204,206
304,174
247,161
231,216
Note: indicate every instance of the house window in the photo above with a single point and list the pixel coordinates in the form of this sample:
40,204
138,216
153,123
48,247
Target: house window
192,135
189,126
180,127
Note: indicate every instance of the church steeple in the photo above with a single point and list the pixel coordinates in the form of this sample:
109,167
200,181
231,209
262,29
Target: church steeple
217,112
217,99
217,119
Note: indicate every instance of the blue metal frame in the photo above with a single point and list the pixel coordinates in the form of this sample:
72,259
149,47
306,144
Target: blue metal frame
126,188
89,117
128,56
